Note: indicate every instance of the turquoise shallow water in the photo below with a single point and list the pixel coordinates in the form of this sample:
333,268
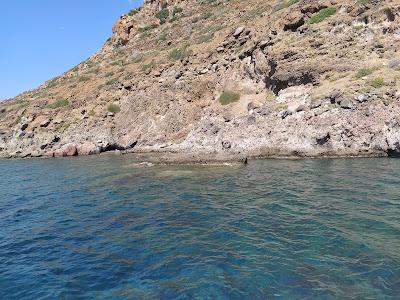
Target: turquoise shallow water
101,227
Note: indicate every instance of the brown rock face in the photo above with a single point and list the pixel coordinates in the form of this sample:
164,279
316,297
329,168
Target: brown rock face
293,21
220,78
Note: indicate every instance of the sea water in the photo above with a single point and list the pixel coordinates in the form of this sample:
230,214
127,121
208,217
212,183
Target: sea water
106,227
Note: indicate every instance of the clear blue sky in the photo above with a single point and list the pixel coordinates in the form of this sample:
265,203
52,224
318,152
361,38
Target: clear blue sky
41,39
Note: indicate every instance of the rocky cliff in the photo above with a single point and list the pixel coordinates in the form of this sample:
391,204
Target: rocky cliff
225,78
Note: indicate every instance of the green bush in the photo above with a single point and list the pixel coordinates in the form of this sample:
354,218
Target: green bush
147,28
113,108
176,13
179,53
163,15
364,72
228,97
58,103
177,10
205,38
111,81
84,78
52,83
377,82
133,12
322,14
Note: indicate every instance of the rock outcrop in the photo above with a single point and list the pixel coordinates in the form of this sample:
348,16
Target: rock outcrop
225,78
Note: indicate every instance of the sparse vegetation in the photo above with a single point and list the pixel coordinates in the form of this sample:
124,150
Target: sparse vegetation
179,53
163,15
322,14
269,96
364,72
228,97
205,38
94,70
377,82
148,67
284,4
113,108
136,59
52,83
147,28
176,13
358,27
84,78
133,12
251,14
117,63
59,103
111,81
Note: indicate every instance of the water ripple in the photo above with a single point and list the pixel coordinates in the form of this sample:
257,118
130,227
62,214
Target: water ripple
105,228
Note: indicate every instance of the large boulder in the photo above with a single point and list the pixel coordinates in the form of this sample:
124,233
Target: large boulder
88,148
69,149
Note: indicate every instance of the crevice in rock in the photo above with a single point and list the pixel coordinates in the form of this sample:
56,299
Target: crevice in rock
323,140
393,153
276,85
390,15
116,146
113,147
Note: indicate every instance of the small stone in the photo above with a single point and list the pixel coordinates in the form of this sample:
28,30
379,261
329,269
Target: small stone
300,108
227,119
110,114
178,75
323,138
24,126
315,104
285,114
238,31
220,49
45,123
265,43
346,104
226,145
157,74
204,71
251,106
361,98
251,119
335,95
320,111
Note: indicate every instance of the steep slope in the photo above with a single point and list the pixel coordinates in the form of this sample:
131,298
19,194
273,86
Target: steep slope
225,78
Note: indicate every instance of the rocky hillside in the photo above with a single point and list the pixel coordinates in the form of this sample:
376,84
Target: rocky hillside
220,78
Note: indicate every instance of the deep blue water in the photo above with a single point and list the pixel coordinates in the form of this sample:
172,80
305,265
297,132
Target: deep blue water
103,228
